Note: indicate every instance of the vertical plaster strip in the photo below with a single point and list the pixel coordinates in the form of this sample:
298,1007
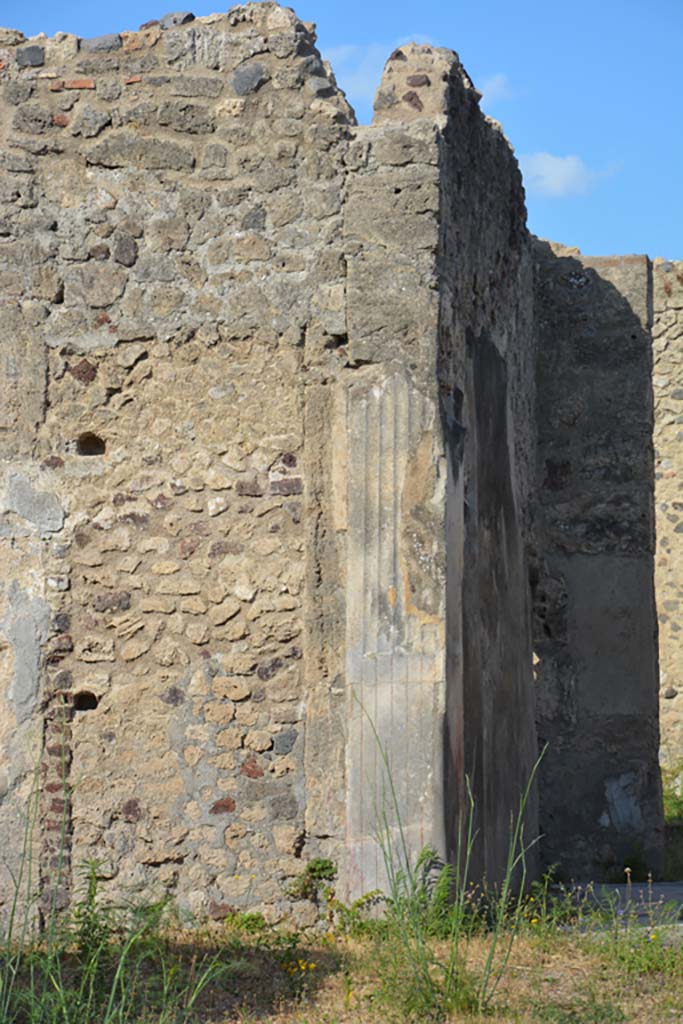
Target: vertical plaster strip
394,660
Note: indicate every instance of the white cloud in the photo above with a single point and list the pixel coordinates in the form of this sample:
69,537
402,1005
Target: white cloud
558,176
495,88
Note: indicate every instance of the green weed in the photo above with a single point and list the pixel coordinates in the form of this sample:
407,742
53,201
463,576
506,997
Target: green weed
423,984
315,880
583,1011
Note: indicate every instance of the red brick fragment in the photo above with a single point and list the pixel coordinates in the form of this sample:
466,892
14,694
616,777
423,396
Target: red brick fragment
84,371
133,79
79,83
251,769
188,546
57,85
61,120
56,750
223,806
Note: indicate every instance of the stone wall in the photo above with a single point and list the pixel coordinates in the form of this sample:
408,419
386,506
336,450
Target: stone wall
595,646
667,332
438,468
170,264
252,422
268,475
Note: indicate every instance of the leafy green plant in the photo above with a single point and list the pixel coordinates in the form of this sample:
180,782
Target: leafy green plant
314,880
672,792
359,919
249,922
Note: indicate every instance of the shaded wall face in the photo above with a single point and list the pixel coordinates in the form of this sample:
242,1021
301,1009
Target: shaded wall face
169,260
486,377
595,633
667,331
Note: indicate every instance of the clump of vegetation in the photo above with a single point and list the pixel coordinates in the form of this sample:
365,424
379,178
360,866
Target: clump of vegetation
103,964
315,882
672,792
433,947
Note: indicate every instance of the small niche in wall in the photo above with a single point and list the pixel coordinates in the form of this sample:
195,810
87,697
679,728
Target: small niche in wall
84,701
90,444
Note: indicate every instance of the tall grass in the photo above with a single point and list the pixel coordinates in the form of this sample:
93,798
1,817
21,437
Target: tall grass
98,963
427,979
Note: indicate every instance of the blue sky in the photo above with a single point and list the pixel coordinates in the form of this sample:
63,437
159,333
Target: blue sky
589,92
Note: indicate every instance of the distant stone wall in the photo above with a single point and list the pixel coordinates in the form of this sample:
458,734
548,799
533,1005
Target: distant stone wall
667,333
595,618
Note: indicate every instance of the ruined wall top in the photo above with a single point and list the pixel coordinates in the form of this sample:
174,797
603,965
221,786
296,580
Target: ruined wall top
218,42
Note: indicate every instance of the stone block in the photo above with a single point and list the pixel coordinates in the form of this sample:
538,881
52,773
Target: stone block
249,78
101,44
30,56
174,19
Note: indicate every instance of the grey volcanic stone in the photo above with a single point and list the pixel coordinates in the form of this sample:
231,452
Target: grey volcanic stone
18,92
32,119
125,249
153,154
249,78
101,44
91,123
186,117
319,86
31,57
176,18
284,741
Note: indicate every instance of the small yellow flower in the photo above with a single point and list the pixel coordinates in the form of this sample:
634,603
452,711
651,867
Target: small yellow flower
534,920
